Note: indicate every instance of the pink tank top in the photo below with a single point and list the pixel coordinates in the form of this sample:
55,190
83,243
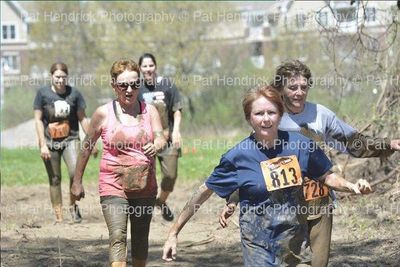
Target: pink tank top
123,146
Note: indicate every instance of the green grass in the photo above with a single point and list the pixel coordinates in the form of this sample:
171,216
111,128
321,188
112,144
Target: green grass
25,167
200,156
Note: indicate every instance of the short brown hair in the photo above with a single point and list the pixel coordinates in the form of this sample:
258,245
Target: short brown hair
266,91
289,69
122,65
59,66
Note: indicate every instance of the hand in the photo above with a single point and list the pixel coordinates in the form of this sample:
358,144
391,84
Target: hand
149,150
353,188
361,187
228,211
395,144
166,134
159,143
364,186
176,139
77,190
44,152
169,250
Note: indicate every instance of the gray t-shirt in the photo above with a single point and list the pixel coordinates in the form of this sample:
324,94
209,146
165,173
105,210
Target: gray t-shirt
58,108
320,124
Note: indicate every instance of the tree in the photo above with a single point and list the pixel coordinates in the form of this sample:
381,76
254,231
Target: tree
368,61
89,36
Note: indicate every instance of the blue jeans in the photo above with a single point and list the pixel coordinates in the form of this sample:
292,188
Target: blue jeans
272,237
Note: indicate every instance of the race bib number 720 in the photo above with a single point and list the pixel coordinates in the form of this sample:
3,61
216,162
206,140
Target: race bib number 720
281,172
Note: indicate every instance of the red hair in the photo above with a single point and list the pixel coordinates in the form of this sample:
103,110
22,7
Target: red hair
266,91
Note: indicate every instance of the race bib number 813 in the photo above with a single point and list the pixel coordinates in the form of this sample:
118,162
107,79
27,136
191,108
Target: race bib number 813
281,172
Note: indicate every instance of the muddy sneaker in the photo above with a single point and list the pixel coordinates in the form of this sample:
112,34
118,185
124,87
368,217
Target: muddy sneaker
75,214
165,211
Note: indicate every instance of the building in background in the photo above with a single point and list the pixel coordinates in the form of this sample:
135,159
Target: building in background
14,41
265,27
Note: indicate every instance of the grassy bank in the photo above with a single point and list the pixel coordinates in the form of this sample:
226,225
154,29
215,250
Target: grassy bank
199,157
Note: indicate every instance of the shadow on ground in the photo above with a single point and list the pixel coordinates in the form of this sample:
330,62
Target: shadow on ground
371,253
93,253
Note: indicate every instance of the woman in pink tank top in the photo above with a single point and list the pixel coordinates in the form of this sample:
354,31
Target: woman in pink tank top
131,132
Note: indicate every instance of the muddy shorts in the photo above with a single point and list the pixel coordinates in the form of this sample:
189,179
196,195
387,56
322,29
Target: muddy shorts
53,168
320,222
116,211
168,159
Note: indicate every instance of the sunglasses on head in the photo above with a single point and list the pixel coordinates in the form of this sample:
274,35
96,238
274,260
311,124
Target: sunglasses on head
124,86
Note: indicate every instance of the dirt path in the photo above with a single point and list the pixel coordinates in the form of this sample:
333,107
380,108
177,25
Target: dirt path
362,237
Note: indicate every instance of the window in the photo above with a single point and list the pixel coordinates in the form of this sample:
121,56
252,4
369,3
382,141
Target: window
5,32
323,18
8,32
301,20
11,62
256,49
370,14
273,18
345,14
